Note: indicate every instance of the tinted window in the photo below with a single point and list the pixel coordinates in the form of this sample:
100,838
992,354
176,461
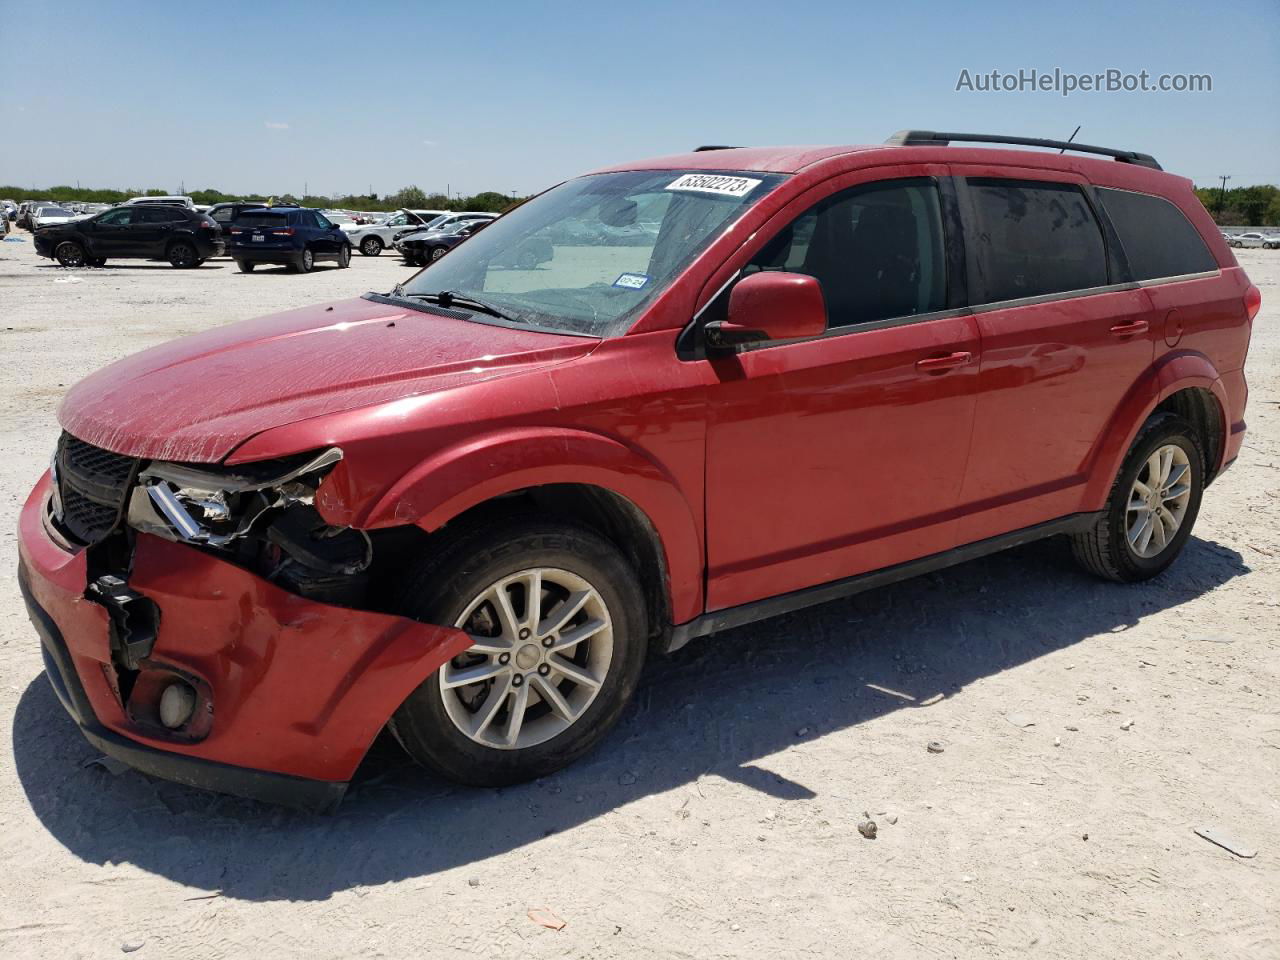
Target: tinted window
253,218
118,217
1157,238
223,214
1033,238
876,250
320,221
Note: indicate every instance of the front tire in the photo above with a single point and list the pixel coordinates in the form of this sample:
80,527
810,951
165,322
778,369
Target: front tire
371,246
436,253
560,635
344,256
69,254
1152,508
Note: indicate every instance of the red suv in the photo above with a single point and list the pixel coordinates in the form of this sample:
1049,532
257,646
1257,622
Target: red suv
744,381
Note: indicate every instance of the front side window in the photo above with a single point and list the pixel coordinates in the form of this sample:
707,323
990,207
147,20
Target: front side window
589,255
877,251
1158,239
119,218
1032,238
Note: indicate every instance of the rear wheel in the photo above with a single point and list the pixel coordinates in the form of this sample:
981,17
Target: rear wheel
70,254
559,635
1152,508
306,260
437,253
183,255
371,246
246,266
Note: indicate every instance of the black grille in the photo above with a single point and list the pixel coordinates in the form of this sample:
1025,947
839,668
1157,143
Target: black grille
93,485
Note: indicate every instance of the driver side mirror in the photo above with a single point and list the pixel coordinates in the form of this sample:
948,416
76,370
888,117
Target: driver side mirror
771,305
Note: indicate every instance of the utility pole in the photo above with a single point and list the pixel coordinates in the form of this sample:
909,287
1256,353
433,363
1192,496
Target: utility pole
1222,194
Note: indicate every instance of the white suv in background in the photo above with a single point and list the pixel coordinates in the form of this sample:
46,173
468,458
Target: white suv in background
443,222
372,238
162,201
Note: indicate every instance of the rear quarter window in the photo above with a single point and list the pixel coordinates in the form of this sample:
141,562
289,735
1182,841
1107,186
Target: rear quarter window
1033,238
1158,240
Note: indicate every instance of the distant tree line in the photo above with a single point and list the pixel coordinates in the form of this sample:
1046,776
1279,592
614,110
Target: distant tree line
1243,206
489,201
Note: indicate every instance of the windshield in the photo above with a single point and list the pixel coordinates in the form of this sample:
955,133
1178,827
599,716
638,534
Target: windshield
588,255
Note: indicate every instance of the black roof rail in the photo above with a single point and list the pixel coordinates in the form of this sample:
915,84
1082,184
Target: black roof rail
713,146
922,138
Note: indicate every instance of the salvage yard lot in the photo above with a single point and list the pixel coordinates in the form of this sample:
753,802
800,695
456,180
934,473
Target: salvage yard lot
720,818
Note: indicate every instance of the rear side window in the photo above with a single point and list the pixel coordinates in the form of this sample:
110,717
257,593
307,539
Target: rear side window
251,219
1032,238
223,214
1158,239
876,250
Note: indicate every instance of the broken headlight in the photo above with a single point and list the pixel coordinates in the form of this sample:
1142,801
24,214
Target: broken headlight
263,513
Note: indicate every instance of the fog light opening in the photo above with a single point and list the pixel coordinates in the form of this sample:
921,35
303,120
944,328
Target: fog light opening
177,704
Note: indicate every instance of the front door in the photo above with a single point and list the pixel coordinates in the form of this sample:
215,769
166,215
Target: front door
842,454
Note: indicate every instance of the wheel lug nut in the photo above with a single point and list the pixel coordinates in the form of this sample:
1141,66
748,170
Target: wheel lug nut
504,659
543,670
524,633
548,641
517,680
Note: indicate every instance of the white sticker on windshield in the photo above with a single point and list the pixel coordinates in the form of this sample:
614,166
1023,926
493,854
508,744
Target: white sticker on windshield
632,281
715,183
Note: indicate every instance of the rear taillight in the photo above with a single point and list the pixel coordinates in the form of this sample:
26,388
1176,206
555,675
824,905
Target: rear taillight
1252,301
286,232
235,230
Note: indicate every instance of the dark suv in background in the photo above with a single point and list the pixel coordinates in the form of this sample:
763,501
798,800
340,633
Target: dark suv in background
294,236
183,237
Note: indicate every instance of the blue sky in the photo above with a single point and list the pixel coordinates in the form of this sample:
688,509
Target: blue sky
515,96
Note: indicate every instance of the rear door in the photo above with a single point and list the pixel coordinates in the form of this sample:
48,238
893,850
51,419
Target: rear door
108,233
150,230
1064,338
842,454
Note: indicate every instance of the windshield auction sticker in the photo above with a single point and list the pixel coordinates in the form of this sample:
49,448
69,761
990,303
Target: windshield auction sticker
716,183
632,281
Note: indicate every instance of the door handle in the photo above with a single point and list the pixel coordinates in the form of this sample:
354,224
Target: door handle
1130,329
940,364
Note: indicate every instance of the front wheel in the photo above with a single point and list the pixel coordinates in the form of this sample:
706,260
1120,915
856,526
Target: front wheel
1152,508
70,254
437,253
344,256
559,635
371,246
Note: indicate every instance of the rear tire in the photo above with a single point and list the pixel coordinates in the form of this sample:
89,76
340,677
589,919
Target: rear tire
183,256
436,253
70,254
306,260
498,558
371,246
1131,541
246,266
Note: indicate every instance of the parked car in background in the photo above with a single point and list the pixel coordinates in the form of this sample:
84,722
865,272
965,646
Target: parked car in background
4,223
27,209
297,237
1250,239
428,245
161,201
372,238
10,209
225,214
49,216
150,231
443,222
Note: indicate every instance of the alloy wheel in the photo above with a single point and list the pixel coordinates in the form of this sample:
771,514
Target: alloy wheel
1158,501
542,643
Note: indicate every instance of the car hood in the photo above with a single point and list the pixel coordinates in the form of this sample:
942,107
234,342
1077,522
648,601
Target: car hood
198,398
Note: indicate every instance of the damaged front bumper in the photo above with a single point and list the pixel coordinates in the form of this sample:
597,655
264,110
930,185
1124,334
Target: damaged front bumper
289,692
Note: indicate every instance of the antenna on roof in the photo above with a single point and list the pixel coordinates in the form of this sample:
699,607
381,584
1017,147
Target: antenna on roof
713,146
1070,138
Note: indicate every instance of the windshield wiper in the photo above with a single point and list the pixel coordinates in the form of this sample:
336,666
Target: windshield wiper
447,299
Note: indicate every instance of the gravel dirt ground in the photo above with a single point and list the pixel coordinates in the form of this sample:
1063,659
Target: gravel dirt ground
720,819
